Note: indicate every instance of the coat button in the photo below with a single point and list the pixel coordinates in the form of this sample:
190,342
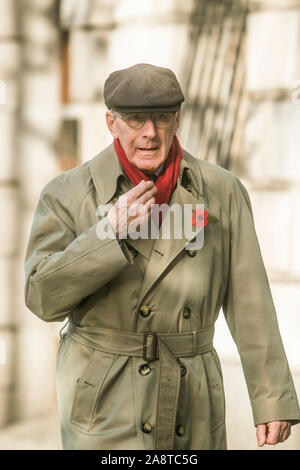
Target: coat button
146,427
186,312
145,310
182,371
180,430
191,253
144,369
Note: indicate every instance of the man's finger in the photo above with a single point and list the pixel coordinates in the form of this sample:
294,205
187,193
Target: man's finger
145,210
138,190
261,434
273,432
283,436
147,195
286,432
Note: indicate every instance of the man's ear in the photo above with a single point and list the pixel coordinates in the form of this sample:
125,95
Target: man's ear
111,124
177,118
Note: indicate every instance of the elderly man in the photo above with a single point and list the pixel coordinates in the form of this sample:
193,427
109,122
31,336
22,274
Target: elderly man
136,368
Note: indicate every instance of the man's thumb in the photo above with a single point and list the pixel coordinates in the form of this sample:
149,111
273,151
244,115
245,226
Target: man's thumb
261,434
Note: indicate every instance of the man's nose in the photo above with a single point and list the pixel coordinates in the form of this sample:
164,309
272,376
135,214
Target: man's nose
149,128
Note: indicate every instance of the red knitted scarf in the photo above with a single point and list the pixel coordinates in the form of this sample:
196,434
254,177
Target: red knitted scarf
166,181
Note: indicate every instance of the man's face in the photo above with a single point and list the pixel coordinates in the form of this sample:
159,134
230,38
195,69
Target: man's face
147,147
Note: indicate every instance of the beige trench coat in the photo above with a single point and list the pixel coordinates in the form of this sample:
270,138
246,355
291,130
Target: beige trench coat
117,387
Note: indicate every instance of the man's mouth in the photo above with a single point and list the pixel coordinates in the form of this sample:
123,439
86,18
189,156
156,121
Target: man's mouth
148,149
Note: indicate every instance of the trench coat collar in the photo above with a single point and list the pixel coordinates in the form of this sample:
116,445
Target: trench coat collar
106,170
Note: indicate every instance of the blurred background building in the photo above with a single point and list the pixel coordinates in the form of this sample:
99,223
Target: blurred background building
238,62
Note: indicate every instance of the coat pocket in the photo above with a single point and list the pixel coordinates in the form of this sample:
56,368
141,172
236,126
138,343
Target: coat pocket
89,388
218,363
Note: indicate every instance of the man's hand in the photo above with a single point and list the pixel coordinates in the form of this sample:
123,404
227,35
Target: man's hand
132,207
272,433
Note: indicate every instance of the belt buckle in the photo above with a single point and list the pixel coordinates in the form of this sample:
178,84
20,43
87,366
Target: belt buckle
153,347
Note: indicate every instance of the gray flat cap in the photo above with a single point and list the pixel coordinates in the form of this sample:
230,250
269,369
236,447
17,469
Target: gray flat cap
143,88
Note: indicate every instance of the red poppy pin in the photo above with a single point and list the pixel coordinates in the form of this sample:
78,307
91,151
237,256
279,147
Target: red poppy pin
201,218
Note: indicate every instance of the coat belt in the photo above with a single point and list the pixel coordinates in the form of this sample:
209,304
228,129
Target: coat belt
152,346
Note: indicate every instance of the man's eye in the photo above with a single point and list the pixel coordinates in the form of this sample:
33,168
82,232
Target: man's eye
135,118
163,117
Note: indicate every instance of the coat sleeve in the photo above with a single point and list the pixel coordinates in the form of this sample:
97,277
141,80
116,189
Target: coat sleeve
61,268
251,317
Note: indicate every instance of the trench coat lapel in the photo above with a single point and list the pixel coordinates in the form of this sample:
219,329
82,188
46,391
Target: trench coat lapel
165,250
